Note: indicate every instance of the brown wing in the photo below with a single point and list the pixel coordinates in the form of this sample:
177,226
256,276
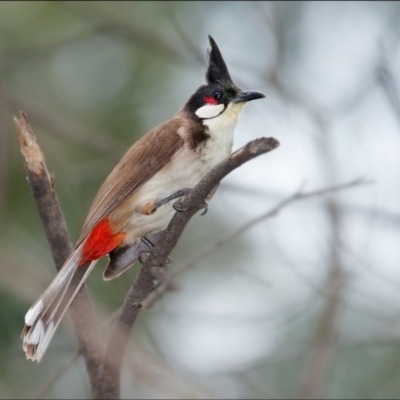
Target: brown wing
143,160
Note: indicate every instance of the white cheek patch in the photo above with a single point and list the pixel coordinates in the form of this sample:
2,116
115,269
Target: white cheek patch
210,110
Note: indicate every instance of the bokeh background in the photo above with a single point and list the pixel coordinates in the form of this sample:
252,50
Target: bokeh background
304,304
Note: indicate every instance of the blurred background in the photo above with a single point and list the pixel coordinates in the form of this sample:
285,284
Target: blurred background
305,303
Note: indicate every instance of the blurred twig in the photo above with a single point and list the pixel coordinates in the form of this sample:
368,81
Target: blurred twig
64,367
299,195
132,32
388,83
41,393
70,132
4,165
192,48
42,186
320,355
144,283
265,392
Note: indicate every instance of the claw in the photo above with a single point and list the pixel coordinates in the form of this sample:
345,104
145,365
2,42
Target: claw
177,206
205,208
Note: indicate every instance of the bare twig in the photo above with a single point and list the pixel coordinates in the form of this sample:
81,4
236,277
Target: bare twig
4,152
313,384
322,350
131,32
161,289
58,374
144,283
388,83
64,367
299,195
53,221
265,392
191,47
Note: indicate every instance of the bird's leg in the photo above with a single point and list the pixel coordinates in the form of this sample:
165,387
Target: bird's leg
149,243
178,204
142,254
178,207
178,194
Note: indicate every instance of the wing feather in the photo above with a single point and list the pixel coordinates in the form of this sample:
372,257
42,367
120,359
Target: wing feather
142,161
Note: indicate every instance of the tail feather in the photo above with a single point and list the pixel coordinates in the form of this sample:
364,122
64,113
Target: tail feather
43,318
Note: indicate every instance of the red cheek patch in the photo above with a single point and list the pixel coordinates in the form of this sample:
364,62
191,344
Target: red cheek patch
210,100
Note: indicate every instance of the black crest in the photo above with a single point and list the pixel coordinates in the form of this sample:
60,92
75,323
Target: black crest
217,71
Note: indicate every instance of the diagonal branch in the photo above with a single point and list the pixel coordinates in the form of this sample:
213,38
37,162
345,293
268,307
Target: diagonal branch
166,284
144,282
160,290
42,187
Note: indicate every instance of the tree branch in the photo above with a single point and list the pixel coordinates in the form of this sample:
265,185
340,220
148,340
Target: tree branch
313,385
144,282
161,289
42,187
166,284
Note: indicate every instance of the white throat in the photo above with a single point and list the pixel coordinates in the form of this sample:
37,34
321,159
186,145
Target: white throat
225,122
220,129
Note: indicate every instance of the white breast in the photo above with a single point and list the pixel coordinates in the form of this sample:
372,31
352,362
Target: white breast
185,170
220,129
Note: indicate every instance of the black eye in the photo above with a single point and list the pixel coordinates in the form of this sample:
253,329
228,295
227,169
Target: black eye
218,96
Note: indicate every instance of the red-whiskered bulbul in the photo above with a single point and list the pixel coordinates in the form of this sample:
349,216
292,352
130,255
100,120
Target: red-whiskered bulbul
128,213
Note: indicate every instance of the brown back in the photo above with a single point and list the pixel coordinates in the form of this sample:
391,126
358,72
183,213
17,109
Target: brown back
143,160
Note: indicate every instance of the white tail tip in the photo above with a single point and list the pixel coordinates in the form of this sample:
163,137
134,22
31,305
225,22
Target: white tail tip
36,339
33,312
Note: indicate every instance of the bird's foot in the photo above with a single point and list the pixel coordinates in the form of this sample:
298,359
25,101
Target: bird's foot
177,195
142,257
178,206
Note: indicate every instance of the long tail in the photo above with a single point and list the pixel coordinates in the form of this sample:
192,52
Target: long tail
43,318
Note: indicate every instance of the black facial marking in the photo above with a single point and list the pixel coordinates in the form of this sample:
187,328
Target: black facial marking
219,84
197,100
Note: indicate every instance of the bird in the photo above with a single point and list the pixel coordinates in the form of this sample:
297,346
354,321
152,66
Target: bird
133,206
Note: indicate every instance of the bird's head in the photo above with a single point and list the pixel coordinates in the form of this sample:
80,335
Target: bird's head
220,95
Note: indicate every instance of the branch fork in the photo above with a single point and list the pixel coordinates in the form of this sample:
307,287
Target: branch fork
104,365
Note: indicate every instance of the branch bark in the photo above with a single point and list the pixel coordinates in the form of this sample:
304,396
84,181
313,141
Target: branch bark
144,283
42,186
168,283
104,369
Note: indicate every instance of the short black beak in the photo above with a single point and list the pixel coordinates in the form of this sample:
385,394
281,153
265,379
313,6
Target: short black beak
248,96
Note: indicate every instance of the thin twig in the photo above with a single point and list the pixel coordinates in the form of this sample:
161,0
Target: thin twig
314,382
42,186
41,393
160,290
388,83
144,282
131,32
299,195
64,367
